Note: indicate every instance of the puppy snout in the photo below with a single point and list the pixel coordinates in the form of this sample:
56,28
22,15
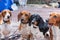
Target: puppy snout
8,17
47,35
22,19
32,22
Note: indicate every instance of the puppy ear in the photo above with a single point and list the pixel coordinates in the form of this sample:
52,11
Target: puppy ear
29,15
19,16
10,13
1,19
41,20
58,22
3,13
30,19
41,23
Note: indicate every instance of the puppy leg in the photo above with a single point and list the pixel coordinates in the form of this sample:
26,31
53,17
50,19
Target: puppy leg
56,33
31,37
51,34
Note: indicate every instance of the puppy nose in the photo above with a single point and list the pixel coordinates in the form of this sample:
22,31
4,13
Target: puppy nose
8,17
22,19
47,35
32,22
47,20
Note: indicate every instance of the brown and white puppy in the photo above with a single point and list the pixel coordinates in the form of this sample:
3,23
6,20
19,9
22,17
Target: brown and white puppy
54,21
5,19
6,16
24,27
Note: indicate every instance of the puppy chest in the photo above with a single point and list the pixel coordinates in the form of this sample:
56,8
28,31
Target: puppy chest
25,30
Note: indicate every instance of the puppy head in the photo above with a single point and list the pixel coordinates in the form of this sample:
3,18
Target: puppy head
54,19
24,16
1,19
35,19
6,14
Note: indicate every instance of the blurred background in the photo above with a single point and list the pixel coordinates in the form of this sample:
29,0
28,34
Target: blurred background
38,1
15,4
51,3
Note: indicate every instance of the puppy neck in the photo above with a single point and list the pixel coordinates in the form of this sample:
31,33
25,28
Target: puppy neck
34,26
7,22
21,26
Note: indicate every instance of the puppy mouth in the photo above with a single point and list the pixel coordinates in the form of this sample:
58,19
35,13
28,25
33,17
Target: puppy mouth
34,26
23,21
8,17
5,19
51,24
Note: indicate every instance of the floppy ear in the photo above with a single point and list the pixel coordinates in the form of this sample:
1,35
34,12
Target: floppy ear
41,21
10,13
3,13
30,19
1,19
58,22
19,16
29,15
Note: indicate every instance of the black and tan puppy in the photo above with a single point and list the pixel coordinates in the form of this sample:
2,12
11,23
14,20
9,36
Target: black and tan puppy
38,25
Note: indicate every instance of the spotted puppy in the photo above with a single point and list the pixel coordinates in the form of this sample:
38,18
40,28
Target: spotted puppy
37,24
5,20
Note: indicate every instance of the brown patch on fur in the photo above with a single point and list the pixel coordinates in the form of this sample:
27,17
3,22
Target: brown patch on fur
1,19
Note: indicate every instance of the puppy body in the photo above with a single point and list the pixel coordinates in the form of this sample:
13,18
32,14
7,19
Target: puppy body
36,32
4,30
5,22
54,21
36,23
24,28
25,31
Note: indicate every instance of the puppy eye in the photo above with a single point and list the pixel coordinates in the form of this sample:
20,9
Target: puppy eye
21,14
26,15
55,16
50,14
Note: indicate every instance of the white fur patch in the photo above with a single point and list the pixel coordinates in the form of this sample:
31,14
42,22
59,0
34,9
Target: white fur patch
56,33
12,28
48,33
36,33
